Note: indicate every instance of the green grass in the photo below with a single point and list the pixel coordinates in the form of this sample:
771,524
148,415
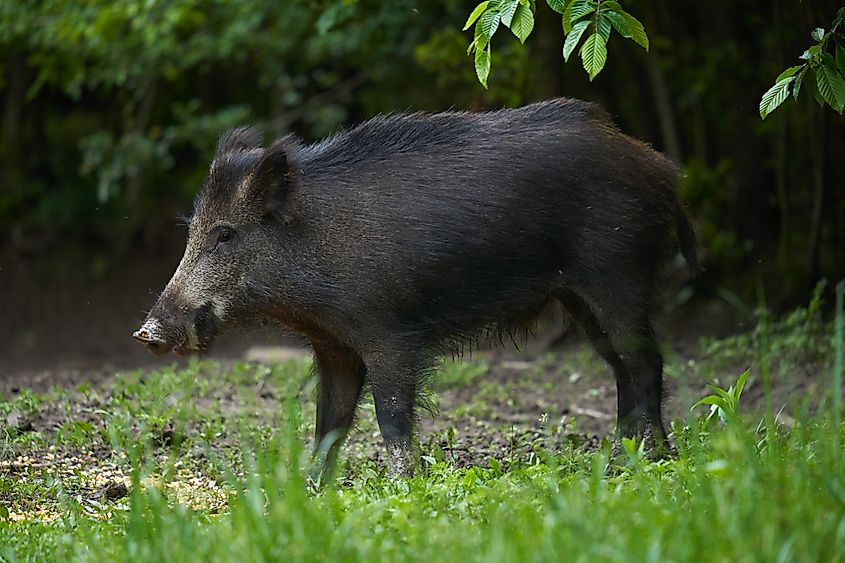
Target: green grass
215,462
733,495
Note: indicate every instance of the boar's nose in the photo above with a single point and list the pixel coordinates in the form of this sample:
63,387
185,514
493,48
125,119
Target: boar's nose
151,335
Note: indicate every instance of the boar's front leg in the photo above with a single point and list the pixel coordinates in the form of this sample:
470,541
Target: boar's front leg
341,376
394,384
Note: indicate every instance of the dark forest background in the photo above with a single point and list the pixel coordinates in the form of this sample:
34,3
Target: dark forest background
110,112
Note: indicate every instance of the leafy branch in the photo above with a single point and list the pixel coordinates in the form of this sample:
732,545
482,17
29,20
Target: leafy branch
822,71
594,18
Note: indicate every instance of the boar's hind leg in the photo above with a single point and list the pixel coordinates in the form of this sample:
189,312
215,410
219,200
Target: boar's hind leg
625,339
394,384
341,377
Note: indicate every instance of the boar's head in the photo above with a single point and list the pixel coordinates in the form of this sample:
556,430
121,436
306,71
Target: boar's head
228,262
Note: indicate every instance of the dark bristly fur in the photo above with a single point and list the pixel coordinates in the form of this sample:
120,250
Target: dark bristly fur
411,235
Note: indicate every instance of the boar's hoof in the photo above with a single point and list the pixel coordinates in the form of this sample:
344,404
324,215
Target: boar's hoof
401,462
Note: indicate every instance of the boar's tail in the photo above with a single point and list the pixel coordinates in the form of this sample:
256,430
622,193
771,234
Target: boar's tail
686,239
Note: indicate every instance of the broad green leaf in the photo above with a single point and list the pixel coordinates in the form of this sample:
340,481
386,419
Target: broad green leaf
480,41
557,5
581,9
476,13
831,86
573,37
507,10
812,82
481,38
788,72
719,391
523,23
740,384
593,55
840,59
709,400
796,86
620,24
609,5
496,466
630,445
603,27
482,65
575,10
638,33
817,34
775,96
489,23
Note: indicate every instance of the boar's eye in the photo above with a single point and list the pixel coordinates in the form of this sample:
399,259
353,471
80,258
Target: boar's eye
224,235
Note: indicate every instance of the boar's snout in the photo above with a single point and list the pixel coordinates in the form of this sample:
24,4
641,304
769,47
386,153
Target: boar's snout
153,335
184,332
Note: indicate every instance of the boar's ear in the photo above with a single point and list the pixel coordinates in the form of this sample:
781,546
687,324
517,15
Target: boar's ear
275,175
241,139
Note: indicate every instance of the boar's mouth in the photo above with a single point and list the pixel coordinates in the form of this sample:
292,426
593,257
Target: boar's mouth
194,333
202,328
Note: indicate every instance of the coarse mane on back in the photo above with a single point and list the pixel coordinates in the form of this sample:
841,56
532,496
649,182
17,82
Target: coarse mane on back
387,135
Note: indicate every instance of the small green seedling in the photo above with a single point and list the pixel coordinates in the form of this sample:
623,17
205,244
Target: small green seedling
723,403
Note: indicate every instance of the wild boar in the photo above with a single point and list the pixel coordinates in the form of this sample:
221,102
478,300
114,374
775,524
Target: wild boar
409,235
